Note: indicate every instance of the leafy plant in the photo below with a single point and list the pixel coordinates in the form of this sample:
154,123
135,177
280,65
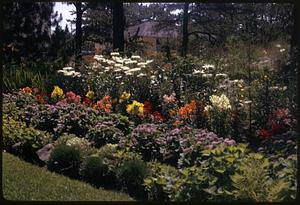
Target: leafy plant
94,171
131,175
162,183
252,182
22,140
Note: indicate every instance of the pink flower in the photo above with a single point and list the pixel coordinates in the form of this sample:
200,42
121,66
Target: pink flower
170,99
72,97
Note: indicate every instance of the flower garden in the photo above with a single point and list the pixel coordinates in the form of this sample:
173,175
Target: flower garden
162,129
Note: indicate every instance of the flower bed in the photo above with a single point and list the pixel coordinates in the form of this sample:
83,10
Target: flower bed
166,147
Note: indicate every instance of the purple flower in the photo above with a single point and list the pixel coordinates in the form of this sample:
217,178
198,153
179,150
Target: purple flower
175,131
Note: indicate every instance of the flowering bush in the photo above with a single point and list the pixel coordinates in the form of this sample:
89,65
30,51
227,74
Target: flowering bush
183,146
143,140
104,133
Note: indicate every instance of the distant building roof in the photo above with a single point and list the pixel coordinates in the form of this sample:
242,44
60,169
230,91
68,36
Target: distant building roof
149,29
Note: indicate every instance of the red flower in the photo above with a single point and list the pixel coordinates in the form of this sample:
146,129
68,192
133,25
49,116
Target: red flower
87,101
40,98
147,107
276,128
158,117
264,133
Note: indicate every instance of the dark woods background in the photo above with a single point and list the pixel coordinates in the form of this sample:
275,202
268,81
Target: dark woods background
28,44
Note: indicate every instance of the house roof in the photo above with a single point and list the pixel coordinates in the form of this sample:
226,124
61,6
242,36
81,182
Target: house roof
149,29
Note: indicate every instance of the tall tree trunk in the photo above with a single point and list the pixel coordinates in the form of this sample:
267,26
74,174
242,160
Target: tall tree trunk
185,30
118,26
78,35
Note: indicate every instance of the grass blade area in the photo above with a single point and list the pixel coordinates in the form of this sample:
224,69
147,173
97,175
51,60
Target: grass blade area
24,181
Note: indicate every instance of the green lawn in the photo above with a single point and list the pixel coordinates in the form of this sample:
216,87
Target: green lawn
24,181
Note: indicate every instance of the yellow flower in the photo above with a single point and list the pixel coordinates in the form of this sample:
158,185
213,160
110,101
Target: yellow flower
90,94
57,92
124,96
135,108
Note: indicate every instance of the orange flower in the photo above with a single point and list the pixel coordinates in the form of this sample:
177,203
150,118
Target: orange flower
27,90
104,104
172,112
177,123
188,109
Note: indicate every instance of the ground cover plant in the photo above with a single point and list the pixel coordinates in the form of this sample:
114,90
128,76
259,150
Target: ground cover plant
214,121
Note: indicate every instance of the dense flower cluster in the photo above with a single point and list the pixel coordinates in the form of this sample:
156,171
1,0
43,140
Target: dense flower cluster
104,104
27,90
57,92
90,94
220,102
135,108
69,71
70,97
188,109
125,96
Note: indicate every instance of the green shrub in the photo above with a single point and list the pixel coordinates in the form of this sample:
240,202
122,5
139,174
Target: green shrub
219,164
81,144
286,168
162,183
65,160
131,176
193,183
22,140
94,171
114,158
252,182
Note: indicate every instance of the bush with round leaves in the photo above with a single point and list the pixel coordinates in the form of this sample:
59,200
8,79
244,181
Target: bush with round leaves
65,160
162,182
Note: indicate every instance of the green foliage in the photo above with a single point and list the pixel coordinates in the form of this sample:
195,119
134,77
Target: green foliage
81,144
219,163
15,78
253,182
14,104
94,171
65,160
193,182
162,183
131,175
113,157
286,169
21,139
